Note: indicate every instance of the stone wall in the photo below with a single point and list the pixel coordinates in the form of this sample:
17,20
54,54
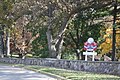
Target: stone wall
91,66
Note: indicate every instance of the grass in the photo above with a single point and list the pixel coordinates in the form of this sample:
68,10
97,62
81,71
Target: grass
73,75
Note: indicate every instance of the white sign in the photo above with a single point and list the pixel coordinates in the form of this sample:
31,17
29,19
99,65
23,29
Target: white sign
90,53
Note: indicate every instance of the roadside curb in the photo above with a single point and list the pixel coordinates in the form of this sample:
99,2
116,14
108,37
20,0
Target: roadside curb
49,74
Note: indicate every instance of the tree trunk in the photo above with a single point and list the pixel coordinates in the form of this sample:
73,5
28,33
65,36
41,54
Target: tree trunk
55,45
1,46
59,48
51,44
1,41
8,43
55,50
77,45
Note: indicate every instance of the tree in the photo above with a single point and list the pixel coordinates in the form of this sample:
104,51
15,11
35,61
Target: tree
83,26
63,11
69,9
6,21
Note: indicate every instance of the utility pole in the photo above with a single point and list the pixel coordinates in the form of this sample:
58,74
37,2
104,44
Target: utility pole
114,31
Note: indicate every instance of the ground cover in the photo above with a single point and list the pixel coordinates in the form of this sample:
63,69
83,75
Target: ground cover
73,75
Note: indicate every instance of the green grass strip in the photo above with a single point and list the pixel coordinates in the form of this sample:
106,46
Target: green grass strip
74,75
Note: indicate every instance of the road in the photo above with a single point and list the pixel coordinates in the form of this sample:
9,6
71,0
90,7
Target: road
15,73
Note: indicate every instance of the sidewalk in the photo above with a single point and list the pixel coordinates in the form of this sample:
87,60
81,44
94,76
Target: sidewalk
14,73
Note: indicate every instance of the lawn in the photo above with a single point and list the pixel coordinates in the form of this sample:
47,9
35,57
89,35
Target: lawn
73,75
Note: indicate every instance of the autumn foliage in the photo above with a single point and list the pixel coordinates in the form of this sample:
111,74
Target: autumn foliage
106,46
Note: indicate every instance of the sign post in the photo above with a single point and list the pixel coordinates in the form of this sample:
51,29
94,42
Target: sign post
90,46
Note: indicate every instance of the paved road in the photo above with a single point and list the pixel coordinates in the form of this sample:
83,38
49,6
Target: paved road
14,73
